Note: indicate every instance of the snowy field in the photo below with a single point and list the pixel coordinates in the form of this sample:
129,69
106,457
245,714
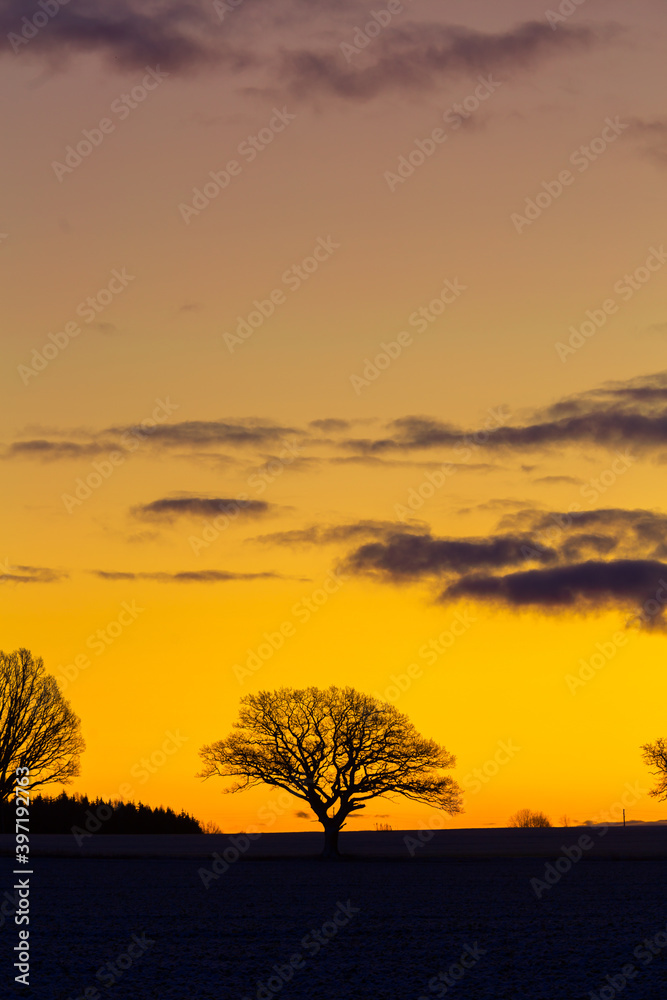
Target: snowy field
400,929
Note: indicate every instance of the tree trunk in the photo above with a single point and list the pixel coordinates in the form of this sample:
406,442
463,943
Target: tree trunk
331,831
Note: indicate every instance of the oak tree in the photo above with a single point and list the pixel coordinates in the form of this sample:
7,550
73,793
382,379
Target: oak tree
335,749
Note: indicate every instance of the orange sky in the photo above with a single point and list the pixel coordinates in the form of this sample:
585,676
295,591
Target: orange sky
131,378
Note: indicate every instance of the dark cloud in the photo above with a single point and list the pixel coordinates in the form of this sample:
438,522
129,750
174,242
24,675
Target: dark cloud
131,34
209,433
588,585
637,532
628,415
374,461
587,560
199,576
330,425
418,56
334,534
583,546
192,437
30,574
652,135
411,556
182,36
53,451
499,503
558,480
170,508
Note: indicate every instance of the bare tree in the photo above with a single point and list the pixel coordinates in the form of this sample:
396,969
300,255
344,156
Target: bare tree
655,756
38,729
335,749
524,817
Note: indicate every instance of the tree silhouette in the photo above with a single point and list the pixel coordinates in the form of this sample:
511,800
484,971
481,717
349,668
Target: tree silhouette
524,817
38,729
655,756
335,749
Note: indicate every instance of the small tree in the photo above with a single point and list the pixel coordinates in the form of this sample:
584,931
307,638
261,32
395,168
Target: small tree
335,749
655,756
38,729
524,817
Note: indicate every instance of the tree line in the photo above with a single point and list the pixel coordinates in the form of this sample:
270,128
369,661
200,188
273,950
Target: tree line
64,813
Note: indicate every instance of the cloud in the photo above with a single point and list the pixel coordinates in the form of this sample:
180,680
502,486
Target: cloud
108,329
171,508
418,56
210,433
331,425
183,36
30,574
333,534
412,556
199,576
499,503
636,532
196,438
653,138
130,33
559,480
631,414
53,451
627,417
586,560
587,585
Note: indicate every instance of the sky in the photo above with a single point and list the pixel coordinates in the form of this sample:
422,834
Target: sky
335,354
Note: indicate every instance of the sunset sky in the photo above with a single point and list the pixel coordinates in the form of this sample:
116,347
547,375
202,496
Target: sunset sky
354,334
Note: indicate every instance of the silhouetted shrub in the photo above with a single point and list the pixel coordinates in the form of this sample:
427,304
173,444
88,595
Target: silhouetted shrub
524,817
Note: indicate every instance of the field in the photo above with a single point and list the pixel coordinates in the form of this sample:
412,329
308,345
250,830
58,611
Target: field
370,929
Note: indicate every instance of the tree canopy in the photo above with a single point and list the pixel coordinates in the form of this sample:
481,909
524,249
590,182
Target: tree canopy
655,756
335,749
38,728
525,817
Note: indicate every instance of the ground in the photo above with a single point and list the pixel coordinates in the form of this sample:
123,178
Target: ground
388,929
